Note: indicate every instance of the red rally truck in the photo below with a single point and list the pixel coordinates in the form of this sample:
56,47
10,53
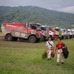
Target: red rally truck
14,30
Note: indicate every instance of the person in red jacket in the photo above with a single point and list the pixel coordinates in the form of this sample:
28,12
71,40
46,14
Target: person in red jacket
59,46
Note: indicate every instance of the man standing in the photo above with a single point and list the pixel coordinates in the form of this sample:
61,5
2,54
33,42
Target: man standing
50,47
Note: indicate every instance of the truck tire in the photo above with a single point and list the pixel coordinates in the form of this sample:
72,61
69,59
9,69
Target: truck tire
8,37
32,39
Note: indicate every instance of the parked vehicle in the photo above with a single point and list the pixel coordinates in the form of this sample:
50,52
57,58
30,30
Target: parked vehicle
64,34
45,32
58,32
15,30
72,32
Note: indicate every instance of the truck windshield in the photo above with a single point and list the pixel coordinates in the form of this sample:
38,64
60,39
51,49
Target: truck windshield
35,26
38,27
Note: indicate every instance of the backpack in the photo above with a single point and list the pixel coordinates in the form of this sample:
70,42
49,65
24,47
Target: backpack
65,51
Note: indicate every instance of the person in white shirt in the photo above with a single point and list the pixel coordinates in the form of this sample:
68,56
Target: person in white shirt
50,47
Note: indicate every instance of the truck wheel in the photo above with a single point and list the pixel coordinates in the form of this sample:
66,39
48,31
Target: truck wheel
8,37
32,39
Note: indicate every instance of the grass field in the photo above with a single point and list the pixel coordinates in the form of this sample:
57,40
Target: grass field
25,58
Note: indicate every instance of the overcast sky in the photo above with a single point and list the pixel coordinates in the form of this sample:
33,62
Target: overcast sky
60,5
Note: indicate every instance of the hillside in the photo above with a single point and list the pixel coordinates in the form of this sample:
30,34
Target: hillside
37,15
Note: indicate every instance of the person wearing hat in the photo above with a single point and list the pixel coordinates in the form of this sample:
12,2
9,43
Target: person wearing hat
49,47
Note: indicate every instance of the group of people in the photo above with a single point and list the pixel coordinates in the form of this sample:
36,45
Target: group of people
50,47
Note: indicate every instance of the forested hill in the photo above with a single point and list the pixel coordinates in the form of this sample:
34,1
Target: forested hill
37,15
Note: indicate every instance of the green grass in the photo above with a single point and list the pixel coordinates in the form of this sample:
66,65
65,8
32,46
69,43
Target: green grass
25,58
